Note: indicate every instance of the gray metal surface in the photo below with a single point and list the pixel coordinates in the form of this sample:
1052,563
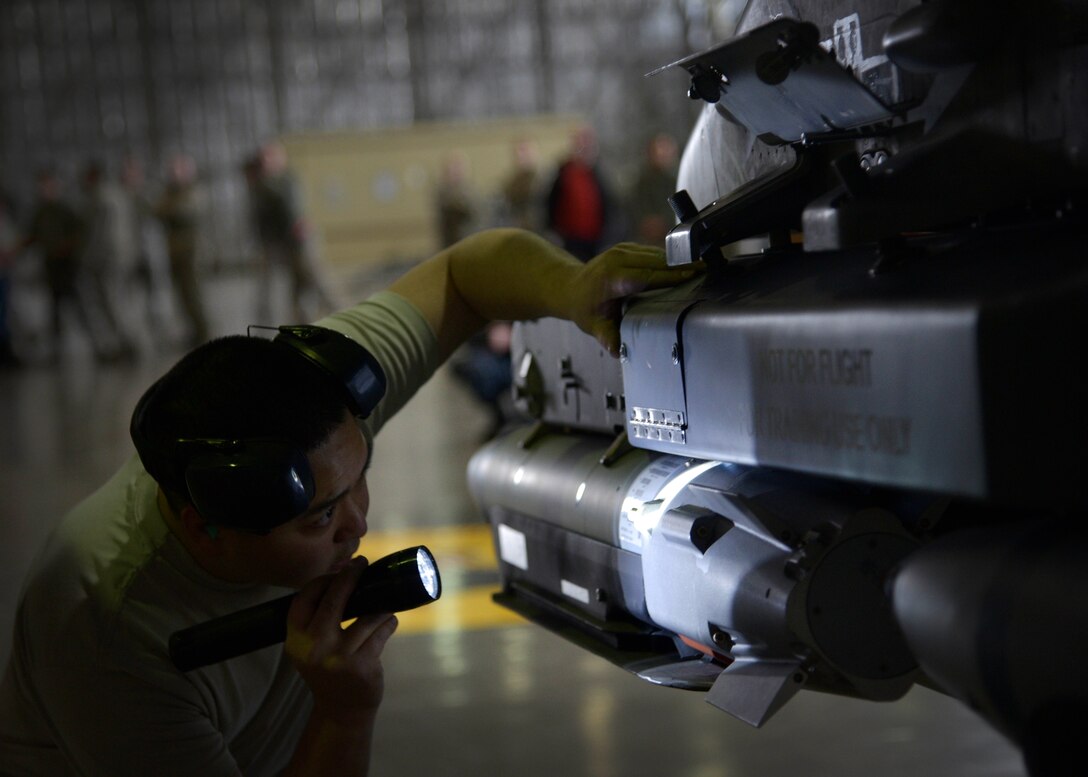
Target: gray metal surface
781,85
564,377
883,395
743,565
923,377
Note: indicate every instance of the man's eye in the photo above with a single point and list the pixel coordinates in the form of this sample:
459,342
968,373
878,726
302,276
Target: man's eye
325,518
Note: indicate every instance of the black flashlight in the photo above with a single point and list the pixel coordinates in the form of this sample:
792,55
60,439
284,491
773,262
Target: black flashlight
401,581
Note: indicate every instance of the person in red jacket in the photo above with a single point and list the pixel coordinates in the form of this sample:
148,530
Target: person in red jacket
578,202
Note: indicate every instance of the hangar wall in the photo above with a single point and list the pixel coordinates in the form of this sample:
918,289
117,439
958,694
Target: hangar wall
83,79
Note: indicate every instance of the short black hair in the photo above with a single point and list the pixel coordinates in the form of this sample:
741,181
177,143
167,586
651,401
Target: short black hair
234,388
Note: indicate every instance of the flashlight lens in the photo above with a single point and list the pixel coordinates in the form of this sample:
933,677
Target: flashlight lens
428,573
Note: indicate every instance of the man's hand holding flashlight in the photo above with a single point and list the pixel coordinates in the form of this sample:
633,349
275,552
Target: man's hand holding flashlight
342,666
343,670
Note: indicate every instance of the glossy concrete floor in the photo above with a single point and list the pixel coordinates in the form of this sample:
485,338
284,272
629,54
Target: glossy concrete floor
470,690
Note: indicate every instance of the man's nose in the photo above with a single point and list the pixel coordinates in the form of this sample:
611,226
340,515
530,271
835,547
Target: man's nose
353,524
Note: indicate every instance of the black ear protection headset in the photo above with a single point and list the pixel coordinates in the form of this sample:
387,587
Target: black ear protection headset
255,485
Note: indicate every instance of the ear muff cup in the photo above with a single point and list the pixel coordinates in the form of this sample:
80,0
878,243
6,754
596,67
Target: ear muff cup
344,360
251,485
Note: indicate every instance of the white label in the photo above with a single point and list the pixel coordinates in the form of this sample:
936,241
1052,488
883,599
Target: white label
575,592
645,489
512,548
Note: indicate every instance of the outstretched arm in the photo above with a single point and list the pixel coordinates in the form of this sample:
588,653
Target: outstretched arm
512,274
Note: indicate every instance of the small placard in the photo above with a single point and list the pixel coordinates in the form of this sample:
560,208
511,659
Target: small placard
575,592
512,548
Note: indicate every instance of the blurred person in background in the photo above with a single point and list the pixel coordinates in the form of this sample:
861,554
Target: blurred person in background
455,202
578,202
56,231
520,192
9,249
179,210
149,274
483,366
647,202
285,237
109,254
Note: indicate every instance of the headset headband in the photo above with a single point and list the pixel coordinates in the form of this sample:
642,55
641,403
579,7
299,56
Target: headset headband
343,359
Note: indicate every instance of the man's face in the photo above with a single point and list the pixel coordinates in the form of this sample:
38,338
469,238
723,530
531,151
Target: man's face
324,538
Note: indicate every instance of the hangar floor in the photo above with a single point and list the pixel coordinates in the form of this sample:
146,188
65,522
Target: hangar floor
470,689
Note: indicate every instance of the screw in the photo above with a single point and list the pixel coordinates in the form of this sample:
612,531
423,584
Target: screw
721,638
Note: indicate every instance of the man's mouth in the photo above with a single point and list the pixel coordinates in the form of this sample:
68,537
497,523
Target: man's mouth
337,566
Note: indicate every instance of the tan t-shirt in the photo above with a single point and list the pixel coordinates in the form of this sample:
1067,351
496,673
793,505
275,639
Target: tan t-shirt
90,689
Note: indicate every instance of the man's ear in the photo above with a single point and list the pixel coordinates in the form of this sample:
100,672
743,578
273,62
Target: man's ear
201,532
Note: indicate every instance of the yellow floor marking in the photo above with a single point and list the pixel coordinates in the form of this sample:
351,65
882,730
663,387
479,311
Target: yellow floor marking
458,550
467,548
460,610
